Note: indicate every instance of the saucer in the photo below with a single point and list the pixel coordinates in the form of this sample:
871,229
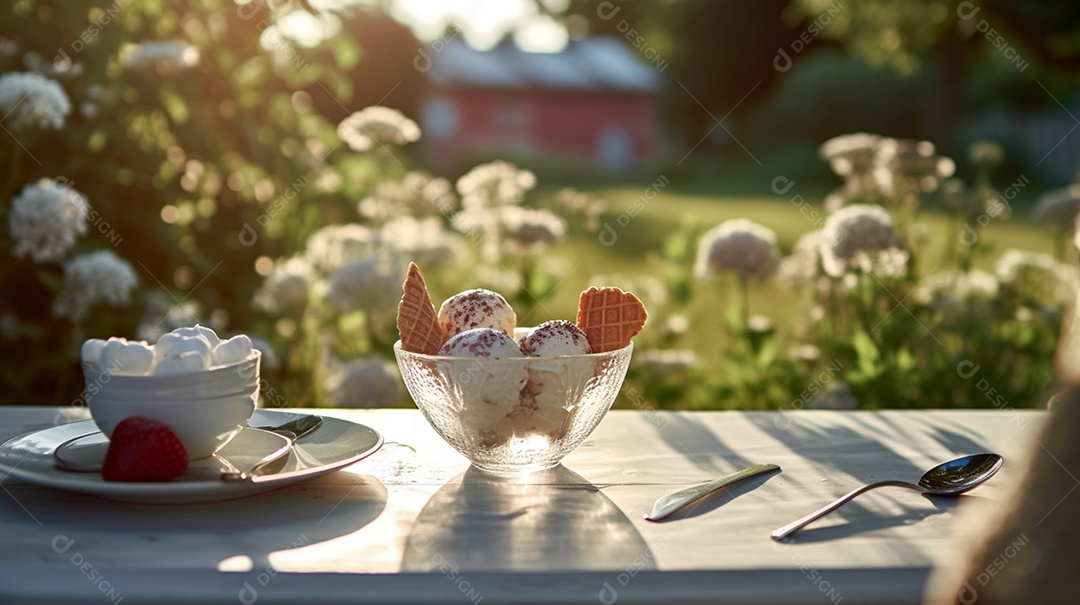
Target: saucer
334,445
249,447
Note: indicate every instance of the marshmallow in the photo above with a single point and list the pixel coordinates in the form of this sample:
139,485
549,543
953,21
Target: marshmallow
118,356
91,351
197,330
188,361
232,350
174,344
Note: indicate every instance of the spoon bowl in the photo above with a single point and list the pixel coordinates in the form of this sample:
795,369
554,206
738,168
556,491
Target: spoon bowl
958,476
950,478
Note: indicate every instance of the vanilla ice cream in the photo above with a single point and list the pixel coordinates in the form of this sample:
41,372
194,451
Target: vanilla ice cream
477,308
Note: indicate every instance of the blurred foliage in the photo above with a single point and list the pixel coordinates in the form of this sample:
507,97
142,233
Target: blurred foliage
899,33
198,169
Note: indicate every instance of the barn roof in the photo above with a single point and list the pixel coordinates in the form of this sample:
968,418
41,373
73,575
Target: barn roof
595,63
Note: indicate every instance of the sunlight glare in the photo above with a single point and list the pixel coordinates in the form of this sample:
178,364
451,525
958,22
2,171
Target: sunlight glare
541,34
483,24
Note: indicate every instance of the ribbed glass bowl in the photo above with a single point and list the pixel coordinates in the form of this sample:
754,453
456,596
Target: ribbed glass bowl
514,415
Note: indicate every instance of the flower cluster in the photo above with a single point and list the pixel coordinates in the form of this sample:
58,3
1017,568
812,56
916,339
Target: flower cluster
29,100
491,215
418,194
334,245
947,288
363,383
286,288
803,265
893,172
862,237
532,228
738,245
494,184
1037,278
377,125
370,283
91,279
581,204
45,220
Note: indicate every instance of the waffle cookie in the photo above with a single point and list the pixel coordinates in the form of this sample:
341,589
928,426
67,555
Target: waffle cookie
610,318
417,322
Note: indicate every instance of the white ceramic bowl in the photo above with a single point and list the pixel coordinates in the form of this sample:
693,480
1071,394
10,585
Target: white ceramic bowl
513,415
205,409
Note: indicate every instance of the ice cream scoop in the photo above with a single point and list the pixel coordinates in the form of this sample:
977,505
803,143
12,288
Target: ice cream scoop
557,337
477,308
481,342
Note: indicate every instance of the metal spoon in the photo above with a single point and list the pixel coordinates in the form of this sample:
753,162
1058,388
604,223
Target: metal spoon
290,430
950,478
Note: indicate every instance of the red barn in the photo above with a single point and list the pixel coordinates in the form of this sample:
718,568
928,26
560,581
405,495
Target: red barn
595,100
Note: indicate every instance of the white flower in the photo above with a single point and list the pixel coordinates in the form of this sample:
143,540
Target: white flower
584,205
532,228
286,288
418,194
1035,276
851,153
862,237
334,245
947,287
97,277
803,265
168,54
30,100
371,283
1058,207
364,383
377,125
738,245
494,184
45,219
423,241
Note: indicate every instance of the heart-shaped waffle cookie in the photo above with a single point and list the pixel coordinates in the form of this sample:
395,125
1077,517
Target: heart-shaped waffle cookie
610,318
417,322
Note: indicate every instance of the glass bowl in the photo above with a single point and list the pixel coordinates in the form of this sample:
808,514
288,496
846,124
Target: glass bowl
516,414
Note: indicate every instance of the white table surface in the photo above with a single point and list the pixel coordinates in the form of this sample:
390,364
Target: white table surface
409,526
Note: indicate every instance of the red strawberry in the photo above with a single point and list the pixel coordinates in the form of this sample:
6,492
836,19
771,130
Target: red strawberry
142,449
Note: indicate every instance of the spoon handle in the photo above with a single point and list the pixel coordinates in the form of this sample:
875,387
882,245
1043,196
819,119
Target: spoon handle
231,476
794,526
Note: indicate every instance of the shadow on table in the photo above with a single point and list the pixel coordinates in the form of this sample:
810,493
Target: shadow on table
709,453
314,511
555,519
865,457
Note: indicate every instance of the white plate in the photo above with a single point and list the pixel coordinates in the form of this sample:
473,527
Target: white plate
334,445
